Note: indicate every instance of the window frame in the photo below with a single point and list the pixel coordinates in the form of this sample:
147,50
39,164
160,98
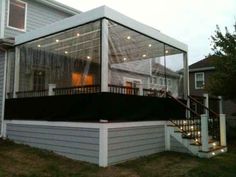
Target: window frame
203,80
8,16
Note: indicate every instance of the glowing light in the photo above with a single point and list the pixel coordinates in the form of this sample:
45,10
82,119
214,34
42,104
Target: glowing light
150,45
57,40
167,51
213,153
181,128
185,122
124,59
189,134
66,52
214,144
191,127
88,57
39,45
198,133
128,37
78,34
222,150
144,55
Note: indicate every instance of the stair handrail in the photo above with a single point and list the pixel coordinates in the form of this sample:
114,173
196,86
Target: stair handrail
205,107
182,104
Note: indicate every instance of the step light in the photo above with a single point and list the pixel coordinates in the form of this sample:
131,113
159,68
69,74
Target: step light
222,150
213,153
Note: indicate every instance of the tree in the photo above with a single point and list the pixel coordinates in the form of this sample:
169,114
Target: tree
223,82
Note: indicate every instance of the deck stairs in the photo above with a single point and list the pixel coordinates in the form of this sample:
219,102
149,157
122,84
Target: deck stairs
187,132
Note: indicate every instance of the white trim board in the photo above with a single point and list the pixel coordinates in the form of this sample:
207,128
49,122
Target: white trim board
87,125
95,14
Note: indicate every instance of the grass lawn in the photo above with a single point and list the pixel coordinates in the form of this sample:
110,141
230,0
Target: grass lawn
23,161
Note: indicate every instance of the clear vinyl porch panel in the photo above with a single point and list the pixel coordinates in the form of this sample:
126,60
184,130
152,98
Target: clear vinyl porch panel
70,62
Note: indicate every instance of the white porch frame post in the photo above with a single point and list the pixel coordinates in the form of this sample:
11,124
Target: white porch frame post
186,82
103,145
104,56
206,103
204,132
223,130
17,71
4,94
220,104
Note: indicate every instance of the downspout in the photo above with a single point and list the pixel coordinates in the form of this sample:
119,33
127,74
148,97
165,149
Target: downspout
2,134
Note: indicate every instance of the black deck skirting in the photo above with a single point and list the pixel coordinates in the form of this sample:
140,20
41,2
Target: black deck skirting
93,107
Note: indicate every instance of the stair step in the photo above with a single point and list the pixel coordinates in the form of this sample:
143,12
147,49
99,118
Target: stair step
213,149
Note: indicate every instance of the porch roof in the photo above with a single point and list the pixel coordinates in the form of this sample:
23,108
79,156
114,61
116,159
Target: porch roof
93,15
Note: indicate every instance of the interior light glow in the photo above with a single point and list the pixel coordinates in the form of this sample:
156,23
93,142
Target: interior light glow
222,150
144,55
39,46
167,51
88,57
124,59
78,34
66,52
213,153
57,40
150,45
128,37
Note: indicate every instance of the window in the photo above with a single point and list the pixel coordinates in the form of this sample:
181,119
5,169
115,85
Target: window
199,80
17,15
39,80
161,81
169,83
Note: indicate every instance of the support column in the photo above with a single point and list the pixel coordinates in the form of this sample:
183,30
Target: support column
17,72
222,130
4,94
206,103
104,56
220,104
204,132
50,89
186,76
167,138
103,145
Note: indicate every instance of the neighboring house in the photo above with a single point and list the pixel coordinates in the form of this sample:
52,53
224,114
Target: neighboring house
21,16
70,87
199,74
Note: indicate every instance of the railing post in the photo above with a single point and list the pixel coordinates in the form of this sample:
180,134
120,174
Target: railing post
222,130
50,89
206,103
204,132
220,104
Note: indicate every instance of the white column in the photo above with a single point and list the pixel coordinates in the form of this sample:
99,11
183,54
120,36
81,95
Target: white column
222,130
50,89
103,145
167,138
186,75
17,71
4,93
204,132
206,103
104,57
220,104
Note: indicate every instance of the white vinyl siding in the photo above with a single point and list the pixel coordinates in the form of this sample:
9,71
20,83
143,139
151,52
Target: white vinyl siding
199,80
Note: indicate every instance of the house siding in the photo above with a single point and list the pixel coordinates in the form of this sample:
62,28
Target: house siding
177,146
73,142
2,63
128,143
38,15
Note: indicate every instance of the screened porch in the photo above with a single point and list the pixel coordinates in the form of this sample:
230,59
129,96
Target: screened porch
100,55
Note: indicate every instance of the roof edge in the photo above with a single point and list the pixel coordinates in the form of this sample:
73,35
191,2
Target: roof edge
95,14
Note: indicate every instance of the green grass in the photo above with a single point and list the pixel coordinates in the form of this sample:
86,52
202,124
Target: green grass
22,161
